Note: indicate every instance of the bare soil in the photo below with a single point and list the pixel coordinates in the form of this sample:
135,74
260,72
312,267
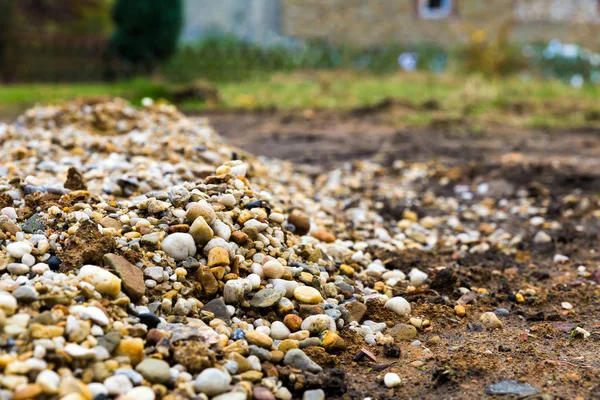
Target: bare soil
537,345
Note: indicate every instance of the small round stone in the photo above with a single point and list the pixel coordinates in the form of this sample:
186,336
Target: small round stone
154,370
179,245
399,305
491,321
212,381
18,249
228,200
307,294
391,379
273,269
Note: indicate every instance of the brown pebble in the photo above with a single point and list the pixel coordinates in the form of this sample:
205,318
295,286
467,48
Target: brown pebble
300,221
324,236
292,322
30,391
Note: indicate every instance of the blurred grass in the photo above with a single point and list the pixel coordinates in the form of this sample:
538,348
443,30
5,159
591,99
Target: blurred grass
417,98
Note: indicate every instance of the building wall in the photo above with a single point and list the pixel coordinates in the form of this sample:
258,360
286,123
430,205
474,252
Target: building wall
255,20
376,22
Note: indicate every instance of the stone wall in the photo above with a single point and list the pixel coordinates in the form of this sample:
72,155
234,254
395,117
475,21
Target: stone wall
377,22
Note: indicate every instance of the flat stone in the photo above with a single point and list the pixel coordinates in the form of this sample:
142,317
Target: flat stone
33,224
266,298
296,358
108,222
218,308
356,310
510,387
210,286
132,277
154,370
402,332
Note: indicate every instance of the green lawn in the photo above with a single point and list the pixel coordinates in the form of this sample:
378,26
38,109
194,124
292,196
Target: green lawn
420,98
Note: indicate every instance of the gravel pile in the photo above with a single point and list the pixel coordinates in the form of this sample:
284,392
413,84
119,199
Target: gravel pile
142,258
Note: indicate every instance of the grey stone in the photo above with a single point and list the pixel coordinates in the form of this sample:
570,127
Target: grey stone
33,224
296,358
154,370
266,298
217,307
25,294
511,387
317,394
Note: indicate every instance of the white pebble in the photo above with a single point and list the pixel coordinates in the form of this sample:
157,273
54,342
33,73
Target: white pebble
417,277
399,305
118,384
18,249
212,381
228,200
391,379
179,245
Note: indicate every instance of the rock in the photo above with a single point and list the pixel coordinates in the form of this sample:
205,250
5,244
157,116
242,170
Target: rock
218,256
300,221
132,277
356,310
287,345
132,348
296,358
118,385
511,387
491,321
283,393
228,200
324,236
25,294
399,305
502,312
315,324
332,342
235,290
391,379
417,277
279,331
49,381
402,332
221,229
201,231
391,350
103,280
232,396
315,394
75,180
33,224
108,222
70,385
90,312
212,381
542,237
262,393
293,322
307,294
18,249
259,339
149,319
140,393
8,303
460,310
266,298
218,308
273,269
154,370
179,246
30,391
210,286
196,210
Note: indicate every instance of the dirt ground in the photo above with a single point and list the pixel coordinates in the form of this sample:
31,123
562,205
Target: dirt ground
537,345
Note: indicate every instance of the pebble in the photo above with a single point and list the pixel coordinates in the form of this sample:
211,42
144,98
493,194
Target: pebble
18,249
103,280
502,312
154,370
118,385
259,339
417,277
542,237
49,381
402,332
315,394
296,358
460,310
132,278
391,380
273,269
212,381
179,246
201,231
25,294
140,393
399,305
279,331
307,294
17,268
315,324
491,321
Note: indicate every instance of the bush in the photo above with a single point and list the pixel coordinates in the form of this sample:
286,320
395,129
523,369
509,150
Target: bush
146,31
